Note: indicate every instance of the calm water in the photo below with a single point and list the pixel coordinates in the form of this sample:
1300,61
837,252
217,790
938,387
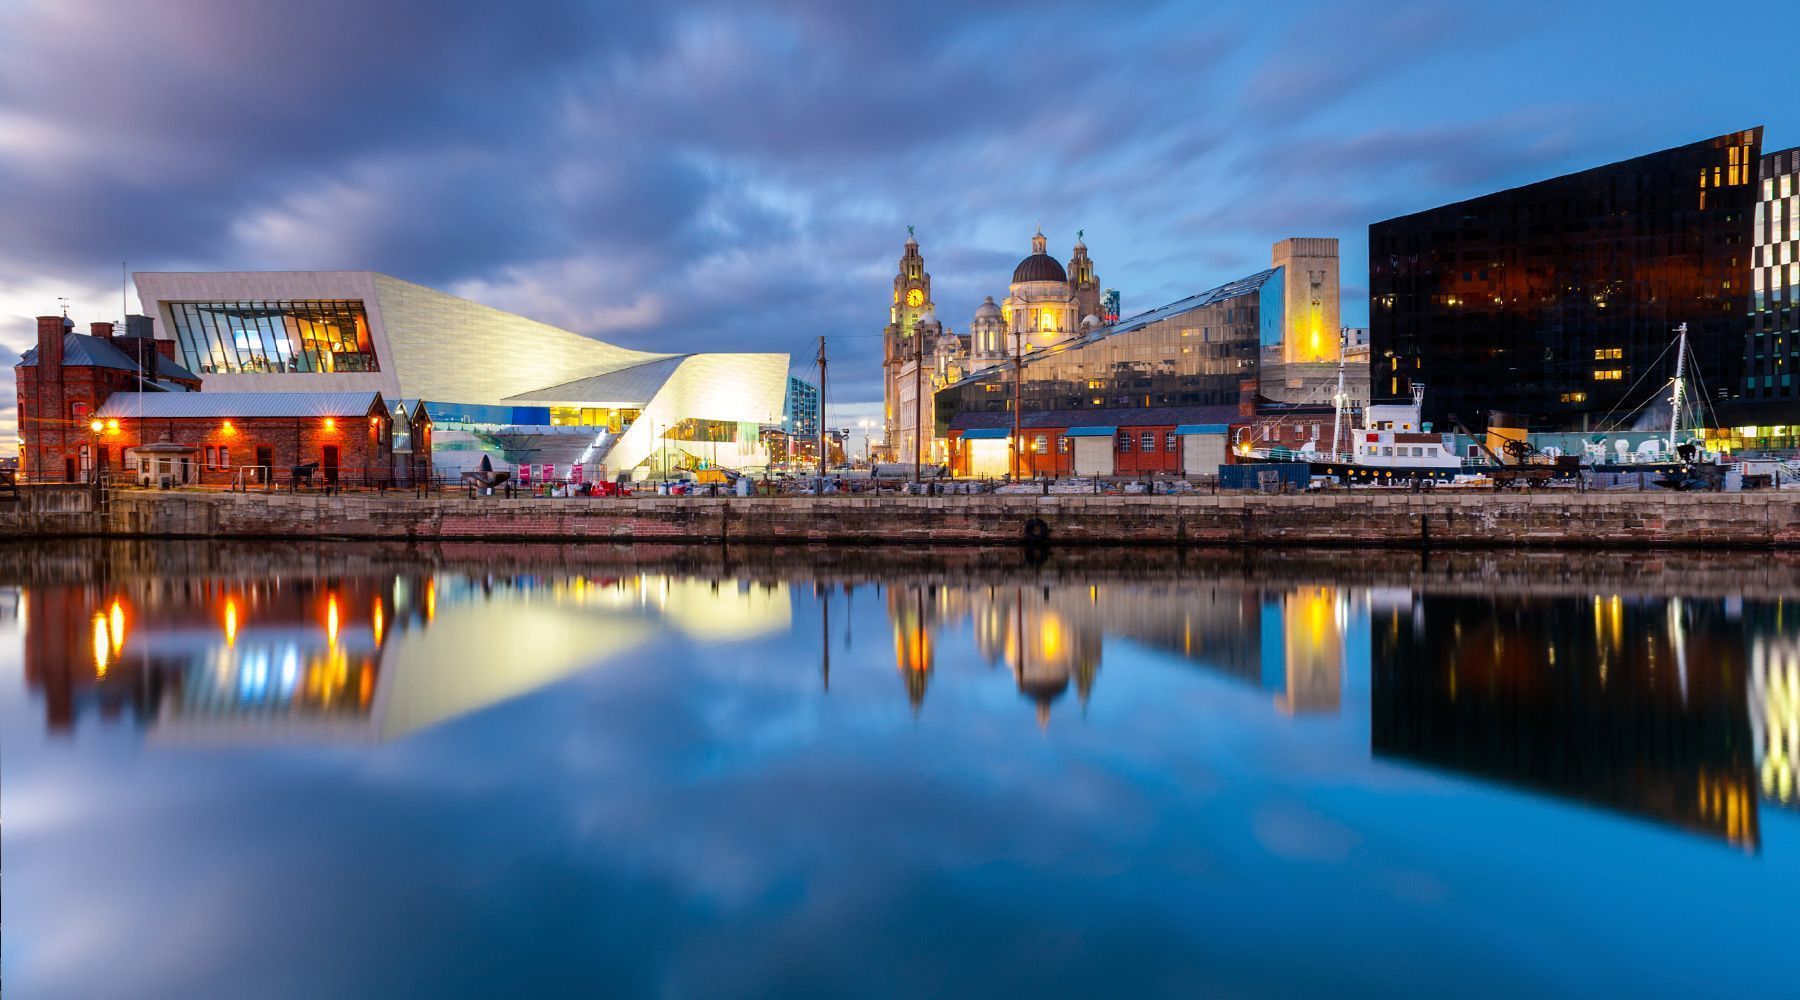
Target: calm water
511,771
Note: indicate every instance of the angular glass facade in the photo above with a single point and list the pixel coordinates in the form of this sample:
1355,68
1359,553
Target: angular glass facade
1557,301
267,337
1195,352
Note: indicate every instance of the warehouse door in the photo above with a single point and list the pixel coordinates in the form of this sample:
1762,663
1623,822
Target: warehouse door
1202,454
1093,456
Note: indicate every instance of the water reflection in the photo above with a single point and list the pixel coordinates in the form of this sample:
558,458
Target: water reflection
1681,710
356,659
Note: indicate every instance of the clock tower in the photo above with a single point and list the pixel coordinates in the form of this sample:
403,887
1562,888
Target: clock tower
912,331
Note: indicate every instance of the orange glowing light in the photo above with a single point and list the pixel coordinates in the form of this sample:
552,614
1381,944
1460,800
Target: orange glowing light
115,621
102,648
331,619
330,424
231,621
375,622
96,425
228,427
112,427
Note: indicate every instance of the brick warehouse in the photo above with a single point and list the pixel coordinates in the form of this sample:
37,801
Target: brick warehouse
101,402
255,438
64,379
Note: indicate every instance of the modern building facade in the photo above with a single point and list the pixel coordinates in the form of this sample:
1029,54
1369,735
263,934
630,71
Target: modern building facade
494,383
1556,302
800,417
1771,351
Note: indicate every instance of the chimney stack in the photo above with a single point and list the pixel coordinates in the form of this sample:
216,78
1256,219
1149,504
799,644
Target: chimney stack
102,330
50,348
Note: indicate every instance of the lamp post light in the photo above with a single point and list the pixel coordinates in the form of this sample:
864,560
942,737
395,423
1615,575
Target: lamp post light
96,425
1020,346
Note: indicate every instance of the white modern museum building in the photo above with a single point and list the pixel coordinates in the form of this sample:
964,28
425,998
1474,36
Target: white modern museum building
519,391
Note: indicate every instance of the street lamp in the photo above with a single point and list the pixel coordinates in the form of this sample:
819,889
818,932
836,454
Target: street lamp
1020,346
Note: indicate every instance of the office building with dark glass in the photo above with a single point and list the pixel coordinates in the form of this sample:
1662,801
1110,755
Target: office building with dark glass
1555,303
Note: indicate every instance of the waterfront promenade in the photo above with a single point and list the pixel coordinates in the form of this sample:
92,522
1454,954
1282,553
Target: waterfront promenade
1353,520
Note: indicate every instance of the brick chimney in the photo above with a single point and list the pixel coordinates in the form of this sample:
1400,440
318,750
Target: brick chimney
50,348
102,330
1247,397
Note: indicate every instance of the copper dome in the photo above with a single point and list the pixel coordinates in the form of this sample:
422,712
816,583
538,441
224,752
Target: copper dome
1039,267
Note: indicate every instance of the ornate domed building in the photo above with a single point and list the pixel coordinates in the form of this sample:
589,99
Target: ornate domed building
1041,307
1046,304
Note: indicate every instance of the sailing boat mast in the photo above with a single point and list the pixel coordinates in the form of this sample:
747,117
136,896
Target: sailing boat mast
1337,417
1680,385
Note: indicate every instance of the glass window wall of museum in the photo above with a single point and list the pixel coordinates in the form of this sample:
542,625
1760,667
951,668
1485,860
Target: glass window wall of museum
265,337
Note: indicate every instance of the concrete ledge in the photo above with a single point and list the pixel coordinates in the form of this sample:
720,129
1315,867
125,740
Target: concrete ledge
1657,519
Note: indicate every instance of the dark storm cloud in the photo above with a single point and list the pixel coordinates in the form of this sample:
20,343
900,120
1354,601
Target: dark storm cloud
737,176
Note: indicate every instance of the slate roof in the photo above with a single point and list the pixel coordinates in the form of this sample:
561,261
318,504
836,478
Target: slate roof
1111,416
218,405
81,349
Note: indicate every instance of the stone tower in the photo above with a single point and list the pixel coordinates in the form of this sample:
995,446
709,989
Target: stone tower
912,311
1083,283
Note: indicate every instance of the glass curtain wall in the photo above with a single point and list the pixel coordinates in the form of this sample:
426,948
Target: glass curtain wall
273,337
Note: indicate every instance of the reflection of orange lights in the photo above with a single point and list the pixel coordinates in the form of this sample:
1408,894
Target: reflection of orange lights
102,648
365,686
331,619
375,621
115,621
1050,636
231,621
431,598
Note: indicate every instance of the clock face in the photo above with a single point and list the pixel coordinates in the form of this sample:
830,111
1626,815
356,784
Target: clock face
914,297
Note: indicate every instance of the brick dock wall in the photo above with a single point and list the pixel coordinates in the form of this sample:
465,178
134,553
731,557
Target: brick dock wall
1355,520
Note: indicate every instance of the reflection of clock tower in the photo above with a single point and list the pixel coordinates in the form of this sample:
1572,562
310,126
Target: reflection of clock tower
912,303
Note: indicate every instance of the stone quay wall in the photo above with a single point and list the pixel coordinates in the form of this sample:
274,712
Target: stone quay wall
1354,520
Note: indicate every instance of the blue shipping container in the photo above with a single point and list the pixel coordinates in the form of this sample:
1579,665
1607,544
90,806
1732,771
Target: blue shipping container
1249,476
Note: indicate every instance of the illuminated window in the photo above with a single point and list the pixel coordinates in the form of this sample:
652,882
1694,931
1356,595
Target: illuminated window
1042,445
1574,397
1608,353
269,337
1608,375
1062,444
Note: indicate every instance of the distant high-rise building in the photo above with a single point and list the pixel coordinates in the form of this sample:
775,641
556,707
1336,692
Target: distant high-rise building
1557,301
800,417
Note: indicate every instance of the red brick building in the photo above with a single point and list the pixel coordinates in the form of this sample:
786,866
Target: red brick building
63,381
257,438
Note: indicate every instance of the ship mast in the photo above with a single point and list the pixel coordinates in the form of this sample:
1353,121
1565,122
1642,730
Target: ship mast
1680,385
1337,417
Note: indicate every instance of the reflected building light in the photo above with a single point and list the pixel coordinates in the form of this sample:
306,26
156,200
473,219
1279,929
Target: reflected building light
102,646
116,627
375,621
430,598
331,619
231,621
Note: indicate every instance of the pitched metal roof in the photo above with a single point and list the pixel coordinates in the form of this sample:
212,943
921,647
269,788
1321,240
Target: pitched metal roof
175,405
633,384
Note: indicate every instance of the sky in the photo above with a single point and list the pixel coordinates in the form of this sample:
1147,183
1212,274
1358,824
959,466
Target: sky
739,176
